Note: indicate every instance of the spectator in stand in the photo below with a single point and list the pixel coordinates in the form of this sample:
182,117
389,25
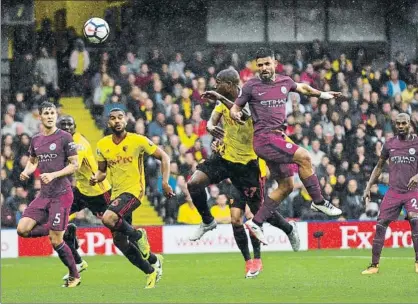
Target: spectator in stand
309,76
395,86
6,182
246,73
144,77
201,88
177,65
9,126
197,65
298,61
316,153
156,128
132,63
340,64
198,151
47,72
316,53
221,211
79,65
8,218
352,205
22,107
199,125
185,103
188,138
157,93
25,67
408,94
46,37
156,60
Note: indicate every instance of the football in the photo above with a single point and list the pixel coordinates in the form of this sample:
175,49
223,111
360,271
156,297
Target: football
96,30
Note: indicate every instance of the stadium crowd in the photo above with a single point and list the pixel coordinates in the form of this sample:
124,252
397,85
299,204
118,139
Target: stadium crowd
162,97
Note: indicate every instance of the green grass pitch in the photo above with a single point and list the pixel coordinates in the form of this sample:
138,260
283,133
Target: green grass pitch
326,276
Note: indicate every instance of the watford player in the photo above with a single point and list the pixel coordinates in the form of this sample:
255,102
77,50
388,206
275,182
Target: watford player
122,154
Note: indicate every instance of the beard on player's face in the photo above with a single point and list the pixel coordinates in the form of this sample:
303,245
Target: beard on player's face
118,129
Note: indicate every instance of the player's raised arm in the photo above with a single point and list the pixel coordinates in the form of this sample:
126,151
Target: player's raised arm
165,170
307,90
374,177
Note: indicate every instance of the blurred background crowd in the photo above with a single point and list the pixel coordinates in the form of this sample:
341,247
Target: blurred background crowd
161,93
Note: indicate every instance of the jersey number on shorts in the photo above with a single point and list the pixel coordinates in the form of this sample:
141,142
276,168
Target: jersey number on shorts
414,203
249,192
57,219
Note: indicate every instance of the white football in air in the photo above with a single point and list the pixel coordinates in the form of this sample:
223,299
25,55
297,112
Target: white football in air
96,30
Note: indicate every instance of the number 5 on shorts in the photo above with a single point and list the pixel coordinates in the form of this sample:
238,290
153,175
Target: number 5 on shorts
57,219
414,203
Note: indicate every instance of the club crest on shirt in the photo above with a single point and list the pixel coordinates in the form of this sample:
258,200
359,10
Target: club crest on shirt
125,148
52,146
412,151
284,90
289,145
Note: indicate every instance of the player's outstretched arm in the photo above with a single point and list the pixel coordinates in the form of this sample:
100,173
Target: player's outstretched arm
100,175
374,177
165,170
31,166
68,170
307,90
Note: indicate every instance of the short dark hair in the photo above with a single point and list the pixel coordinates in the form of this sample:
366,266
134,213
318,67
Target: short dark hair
45,105
264,52
116,110
229,75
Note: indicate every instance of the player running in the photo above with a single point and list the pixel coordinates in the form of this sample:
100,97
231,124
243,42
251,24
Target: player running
401,151
55,153
236,160
267,96
122,153
96,198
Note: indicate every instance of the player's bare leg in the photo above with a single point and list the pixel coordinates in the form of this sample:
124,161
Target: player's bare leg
28,227
413,221
196,186
311,183
70,238
268,210
378,242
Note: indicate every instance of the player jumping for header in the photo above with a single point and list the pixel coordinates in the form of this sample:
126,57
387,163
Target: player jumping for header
122,153
402,153
237,160
267,95
55,153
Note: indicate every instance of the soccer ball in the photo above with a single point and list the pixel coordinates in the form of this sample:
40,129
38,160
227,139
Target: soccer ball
96,30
